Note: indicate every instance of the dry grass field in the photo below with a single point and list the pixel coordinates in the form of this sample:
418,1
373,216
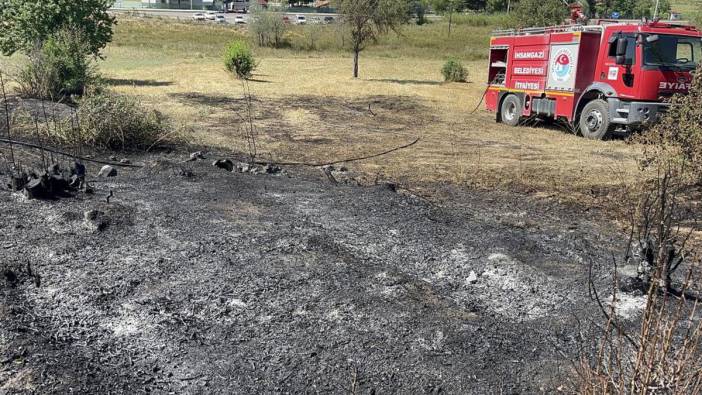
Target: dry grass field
308,108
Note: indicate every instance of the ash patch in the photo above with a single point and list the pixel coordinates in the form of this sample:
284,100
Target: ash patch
515,290
240,282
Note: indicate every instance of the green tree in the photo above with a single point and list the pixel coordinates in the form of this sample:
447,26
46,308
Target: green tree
493,6
238,59
632,9
24,24
369,19
61,67
530,13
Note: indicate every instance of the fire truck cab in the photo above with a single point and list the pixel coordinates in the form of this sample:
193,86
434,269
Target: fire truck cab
600,78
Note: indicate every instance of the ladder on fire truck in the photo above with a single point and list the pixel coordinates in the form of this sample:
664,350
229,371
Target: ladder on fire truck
550,29
597,26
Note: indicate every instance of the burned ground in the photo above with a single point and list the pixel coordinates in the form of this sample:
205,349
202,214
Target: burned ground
229,282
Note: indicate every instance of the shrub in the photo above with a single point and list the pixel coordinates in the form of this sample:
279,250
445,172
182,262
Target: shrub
58,68
112,121
678,136
454,71
238,59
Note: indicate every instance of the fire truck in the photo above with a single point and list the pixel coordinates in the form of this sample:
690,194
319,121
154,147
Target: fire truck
601,77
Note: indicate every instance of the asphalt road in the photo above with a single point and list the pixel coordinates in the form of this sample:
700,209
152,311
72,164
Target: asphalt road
188,14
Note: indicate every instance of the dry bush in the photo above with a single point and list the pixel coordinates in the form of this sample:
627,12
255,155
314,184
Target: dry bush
113,121
663,355
678,136
102,120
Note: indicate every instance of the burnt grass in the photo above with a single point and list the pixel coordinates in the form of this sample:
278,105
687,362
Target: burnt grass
240,283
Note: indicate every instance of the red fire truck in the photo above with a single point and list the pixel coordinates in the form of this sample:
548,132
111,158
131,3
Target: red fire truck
603,77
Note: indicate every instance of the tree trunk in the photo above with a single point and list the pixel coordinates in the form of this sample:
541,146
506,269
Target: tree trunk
450,17
355,62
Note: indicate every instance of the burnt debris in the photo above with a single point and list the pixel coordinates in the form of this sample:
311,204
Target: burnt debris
51,183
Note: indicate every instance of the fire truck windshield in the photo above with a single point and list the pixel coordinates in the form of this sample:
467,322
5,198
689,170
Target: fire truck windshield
672,52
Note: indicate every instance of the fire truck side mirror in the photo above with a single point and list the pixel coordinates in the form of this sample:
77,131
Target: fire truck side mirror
622,44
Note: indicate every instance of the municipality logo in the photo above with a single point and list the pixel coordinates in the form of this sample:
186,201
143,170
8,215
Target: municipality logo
562,67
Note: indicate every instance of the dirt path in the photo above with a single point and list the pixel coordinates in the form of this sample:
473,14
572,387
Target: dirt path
240,283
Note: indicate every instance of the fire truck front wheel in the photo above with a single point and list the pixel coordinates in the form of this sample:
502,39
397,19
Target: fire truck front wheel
510,110
594,120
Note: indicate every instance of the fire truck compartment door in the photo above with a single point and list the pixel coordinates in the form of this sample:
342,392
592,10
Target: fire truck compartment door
562,67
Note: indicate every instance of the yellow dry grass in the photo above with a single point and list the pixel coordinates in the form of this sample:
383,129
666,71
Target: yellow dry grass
310,109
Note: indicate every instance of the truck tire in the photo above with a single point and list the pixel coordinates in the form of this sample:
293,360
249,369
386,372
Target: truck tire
594,120
511,110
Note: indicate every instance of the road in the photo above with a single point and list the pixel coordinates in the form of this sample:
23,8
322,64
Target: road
187,14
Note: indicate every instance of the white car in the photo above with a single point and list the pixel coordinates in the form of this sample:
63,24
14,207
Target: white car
211,15
300,20
199,16
239,19
220,19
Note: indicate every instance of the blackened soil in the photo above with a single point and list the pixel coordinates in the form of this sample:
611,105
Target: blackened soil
240,283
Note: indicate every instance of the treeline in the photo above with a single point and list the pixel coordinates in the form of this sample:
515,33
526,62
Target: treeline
625,9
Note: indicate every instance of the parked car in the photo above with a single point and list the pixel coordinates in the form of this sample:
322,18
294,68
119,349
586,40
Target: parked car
300,20
211,15
220,19
198,16
328,19
239,20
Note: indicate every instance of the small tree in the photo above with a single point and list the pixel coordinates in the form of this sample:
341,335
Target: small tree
530,13
239,60
267,27
61,67
25,23
369,19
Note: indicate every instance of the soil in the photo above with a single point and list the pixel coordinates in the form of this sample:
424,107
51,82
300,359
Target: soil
210,281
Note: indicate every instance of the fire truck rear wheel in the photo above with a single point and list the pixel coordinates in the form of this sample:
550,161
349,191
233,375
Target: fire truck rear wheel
594,120
510,110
